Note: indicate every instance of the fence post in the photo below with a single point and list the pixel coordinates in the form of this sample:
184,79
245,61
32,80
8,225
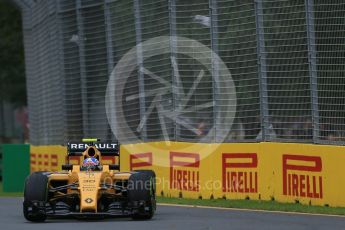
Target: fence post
83,79
138,38
62,72
110,50
309,4
176,80
215,64
262,73
108,32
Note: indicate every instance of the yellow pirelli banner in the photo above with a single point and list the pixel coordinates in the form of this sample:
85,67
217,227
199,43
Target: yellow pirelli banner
47,158
310,174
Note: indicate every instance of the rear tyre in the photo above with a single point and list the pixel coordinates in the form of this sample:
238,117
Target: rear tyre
35,197
141,195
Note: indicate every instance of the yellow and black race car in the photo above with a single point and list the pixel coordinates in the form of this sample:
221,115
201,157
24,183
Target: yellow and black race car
91,187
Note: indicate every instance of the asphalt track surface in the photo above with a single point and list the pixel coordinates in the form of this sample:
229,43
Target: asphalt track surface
169,217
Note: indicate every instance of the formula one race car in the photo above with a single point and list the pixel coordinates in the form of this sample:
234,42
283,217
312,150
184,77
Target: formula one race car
90,188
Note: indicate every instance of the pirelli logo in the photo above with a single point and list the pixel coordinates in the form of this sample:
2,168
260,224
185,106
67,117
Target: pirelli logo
140,160
184,171
44,162
302,176
239,172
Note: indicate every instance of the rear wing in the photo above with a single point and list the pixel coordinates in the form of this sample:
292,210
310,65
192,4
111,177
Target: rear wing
106,149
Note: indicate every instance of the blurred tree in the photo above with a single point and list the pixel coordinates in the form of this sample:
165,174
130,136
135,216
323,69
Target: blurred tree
12,72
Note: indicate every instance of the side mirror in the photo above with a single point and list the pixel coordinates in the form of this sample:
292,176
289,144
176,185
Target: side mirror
67,167
114,167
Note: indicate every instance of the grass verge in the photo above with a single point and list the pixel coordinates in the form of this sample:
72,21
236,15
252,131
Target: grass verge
9,194
255,205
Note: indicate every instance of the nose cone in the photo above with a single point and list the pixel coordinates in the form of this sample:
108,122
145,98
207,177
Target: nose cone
89,187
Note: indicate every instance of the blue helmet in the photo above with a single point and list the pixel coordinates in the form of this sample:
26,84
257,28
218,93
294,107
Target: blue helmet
90,164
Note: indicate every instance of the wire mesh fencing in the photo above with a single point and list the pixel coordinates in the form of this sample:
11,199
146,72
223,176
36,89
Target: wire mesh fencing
200,70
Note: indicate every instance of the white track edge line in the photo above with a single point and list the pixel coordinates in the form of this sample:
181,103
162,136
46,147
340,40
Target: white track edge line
251,210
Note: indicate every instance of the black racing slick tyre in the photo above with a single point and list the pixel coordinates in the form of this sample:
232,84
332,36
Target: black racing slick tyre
147,171
152,174
141,195
35,197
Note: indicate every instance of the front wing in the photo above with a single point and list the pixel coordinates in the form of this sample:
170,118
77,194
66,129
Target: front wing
61,210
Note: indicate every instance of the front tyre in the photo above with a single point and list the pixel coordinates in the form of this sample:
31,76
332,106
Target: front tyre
141,195
35,197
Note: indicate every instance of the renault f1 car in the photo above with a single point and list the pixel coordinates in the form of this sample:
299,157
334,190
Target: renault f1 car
86,189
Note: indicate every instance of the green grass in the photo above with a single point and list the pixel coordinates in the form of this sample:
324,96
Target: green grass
9,194
253,204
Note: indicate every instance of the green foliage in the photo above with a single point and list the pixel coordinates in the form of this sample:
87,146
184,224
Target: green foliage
12,73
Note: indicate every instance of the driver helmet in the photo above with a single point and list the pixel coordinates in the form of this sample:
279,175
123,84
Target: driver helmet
90,164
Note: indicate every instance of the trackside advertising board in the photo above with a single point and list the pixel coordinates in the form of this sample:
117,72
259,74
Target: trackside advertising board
311,174
47,158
